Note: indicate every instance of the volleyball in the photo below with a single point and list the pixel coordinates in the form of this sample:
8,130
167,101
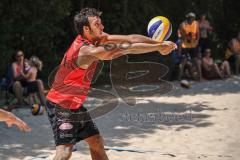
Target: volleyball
37,109
159,28
185,84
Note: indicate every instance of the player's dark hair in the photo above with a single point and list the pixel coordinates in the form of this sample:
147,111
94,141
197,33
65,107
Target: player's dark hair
81,18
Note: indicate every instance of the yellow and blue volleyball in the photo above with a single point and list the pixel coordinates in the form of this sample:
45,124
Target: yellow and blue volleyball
159,28
37,109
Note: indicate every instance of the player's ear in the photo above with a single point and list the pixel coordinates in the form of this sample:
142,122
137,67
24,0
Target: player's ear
86,28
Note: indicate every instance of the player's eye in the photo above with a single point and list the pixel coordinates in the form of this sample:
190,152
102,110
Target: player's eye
97,24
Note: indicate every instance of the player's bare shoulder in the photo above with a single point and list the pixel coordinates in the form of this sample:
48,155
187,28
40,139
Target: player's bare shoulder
86,56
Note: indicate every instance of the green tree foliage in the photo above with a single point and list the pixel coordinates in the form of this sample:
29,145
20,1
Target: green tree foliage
45,27
38,27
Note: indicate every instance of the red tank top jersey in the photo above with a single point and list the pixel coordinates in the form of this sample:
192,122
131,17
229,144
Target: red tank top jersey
71,83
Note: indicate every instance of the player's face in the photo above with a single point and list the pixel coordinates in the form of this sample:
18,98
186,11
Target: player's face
96,27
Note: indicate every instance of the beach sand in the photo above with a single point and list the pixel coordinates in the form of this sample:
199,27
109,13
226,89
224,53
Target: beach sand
202,122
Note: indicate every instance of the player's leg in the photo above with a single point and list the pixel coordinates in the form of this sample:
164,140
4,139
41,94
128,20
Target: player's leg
63,152
63,130
96,146
90,134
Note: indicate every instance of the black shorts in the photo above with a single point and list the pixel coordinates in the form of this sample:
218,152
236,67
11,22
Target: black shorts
28,87
32,87
70,126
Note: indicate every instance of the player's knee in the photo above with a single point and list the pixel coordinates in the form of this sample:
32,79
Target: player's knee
95,141
63,153
98,139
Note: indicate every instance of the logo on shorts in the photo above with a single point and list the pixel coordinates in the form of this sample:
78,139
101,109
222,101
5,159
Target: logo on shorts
63,114
65,126
62,135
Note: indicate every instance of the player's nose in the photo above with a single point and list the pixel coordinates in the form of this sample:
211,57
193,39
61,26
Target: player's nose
102,26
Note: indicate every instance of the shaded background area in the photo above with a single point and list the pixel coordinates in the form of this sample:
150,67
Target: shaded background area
45,27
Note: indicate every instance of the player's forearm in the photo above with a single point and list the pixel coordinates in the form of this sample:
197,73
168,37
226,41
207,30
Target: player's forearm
135,48
106,53
134,38
140,48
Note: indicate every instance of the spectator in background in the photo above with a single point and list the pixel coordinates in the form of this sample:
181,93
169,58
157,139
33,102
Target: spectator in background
188,33
233,53
32,67
213,71
20,83
204,29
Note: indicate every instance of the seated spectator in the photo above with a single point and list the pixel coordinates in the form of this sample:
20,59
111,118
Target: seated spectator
233,53
31,69
19,84
188,69
17,81
213,71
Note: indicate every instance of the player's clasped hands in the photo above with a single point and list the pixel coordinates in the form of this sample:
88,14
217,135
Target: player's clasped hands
167,47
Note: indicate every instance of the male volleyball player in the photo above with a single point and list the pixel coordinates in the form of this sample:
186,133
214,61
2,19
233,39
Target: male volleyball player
69,119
